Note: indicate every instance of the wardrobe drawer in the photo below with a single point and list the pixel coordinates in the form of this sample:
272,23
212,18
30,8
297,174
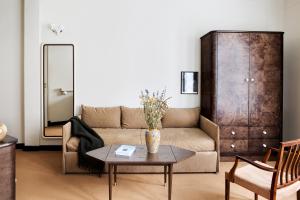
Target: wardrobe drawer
264,132
260,146
228,146
233,132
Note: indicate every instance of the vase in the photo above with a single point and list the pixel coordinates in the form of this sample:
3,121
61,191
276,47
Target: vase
152,138
3,131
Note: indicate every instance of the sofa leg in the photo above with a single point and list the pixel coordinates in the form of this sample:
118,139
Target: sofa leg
298,195
255,196
227,189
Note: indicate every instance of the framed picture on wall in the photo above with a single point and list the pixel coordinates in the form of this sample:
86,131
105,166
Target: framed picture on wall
189,82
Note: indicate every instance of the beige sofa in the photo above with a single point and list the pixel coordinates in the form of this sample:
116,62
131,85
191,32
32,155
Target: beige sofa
182,127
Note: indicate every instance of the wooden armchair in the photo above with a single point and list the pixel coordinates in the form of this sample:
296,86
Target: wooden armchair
272,183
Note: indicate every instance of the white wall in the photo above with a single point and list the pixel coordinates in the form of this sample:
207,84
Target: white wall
32,74
121,47
33,77
124,46
292,71
11,66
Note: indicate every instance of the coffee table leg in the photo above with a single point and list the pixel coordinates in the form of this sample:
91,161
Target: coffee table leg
165,175
115,174
170,181
110,181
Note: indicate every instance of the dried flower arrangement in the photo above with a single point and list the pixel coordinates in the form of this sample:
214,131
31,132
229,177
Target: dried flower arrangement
155,106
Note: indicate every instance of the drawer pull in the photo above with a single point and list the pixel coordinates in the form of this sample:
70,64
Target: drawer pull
264,146
232,133
265,132
232,146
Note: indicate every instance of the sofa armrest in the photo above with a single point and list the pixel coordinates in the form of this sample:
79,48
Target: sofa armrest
210,128
213,130
66,137
67,134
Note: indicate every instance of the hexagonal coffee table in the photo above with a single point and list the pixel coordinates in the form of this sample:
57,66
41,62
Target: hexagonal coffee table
166,156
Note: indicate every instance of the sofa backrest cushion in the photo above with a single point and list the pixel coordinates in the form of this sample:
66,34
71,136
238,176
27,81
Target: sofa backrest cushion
97,117
181,118
134,118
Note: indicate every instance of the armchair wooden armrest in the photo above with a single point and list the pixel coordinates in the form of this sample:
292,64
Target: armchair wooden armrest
268,154
237,158
270,169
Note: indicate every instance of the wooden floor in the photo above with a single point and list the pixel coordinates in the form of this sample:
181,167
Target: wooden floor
39,177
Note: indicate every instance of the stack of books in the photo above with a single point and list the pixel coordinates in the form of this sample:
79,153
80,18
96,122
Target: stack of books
125,150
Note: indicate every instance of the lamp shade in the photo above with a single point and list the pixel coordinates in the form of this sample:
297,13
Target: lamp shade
3,131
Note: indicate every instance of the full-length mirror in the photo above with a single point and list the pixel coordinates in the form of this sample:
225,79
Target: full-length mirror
58,87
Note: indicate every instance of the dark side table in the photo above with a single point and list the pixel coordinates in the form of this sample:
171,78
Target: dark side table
8,168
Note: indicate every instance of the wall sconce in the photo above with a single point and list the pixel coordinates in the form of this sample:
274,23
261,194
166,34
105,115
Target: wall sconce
57,29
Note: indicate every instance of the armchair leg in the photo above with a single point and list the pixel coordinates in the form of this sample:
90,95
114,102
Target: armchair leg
255,196
298,195
227,189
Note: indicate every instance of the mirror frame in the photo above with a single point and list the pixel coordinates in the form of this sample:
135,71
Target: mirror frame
43,89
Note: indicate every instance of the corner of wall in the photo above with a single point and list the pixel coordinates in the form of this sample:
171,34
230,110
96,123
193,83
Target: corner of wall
32,81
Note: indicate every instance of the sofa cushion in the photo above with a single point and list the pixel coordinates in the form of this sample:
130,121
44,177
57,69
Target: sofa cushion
134,118
109,117
119,136
193,139
110,136
189,138
181,118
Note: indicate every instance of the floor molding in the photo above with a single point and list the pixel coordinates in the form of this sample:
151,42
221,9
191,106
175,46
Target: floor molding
19,145
39,148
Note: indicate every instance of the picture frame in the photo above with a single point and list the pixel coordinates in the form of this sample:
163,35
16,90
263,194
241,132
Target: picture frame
189,82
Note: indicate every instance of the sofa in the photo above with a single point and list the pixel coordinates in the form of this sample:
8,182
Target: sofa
181,127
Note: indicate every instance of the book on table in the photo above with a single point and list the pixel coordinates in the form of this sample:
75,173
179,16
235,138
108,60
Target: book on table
125,150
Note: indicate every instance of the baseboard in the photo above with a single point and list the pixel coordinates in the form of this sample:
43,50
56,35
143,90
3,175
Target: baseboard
39,148
19,145
57,123
250,157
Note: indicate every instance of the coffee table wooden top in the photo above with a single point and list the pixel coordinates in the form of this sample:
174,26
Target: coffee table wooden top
166,154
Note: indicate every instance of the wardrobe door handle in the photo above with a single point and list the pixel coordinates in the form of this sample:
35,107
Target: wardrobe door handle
265,132
252,79
247,80
232,132
232,146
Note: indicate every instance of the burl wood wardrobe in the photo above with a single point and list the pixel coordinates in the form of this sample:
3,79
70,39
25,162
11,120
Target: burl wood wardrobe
241,89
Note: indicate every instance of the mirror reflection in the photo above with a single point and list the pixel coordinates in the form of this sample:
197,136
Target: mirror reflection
58,82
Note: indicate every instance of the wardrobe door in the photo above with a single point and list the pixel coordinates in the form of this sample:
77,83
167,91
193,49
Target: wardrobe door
233,74
265,88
